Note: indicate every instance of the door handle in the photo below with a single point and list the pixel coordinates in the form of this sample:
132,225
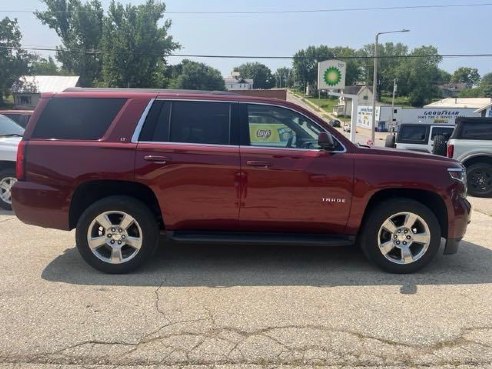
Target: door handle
260,164
156,159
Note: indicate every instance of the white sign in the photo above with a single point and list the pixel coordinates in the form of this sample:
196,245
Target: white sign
331,75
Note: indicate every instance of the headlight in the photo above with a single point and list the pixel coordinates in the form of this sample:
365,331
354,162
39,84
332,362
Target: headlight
458,174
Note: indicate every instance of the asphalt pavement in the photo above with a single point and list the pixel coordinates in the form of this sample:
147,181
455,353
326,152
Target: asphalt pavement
242,307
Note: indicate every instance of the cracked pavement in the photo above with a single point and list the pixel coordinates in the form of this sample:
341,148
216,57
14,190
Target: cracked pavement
242,307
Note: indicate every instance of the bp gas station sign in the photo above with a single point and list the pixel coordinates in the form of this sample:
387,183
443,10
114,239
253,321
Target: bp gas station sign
331,75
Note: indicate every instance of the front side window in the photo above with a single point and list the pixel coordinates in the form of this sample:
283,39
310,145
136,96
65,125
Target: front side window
271,126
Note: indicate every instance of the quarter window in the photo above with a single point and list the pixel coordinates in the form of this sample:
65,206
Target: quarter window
476,131
77,118
413,134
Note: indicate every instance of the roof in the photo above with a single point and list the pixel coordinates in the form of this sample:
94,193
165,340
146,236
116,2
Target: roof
238,80
148,90
42,84
463,102
354,90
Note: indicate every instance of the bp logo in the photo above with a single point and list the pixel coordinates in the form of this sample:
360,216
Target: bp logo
332,76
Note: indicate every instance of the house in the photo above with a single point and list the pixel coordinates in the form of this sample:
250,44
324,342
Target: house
236,82
344,107
28,89
452,89
482,105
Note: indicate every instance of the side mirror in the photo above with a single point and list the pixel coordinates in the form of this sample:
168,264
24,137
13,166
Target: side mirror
325,141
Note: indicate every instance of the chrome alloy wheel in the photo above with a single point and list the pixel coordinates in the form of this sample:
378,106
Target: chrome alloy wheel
114,237
404,238
6,185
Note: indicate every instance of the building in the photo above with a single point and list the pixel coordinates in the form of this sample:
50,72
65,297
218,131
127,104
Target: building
236,82
480,105
28,89
344,107
452,89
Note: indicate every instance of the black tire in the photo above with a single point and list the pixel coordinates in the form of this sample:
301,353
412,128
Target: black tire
144,227
369,239
390,141
479,179
440,145
6,175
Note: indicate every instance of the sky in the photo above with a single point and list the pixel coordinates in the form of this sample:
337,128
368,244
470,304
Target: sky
454,30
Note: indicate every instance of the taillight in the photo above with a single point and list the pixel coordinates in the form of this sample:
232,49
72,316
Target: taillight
20,167
450,151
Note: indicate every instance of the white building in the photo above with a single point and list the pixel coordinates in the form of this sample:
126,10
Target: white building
236,82
481,105
28,89
344,107
411,115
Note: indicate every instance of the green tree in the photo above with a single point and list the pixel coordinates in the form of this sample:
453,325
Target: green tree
418,75
135,45
305,64
444,77
260,73
80,28
14,61
284,77
390,57
486,85
191,75
44,67
469,76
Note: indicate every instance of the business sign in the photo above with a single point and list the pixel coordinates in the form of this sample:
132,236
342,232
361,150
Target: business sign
331,75
435,115
269,134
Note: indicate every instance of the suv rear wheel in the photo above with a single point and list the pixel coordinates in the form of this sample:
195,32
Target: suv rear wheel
117,234
480,179
401,236
7,180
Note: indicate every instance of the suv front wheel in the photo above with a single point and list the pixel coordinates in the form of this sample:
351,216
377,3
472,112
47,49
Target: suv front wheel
117,234
401,236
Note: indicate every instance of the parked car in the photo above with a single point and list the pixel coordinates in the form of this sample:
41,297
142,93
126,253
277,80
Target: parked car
21,117
335,123
471,144
122,166
421,137
10,136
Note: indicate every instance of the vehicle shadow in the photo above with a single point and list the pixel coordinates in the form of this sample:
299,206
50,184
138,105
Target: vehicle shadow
227,266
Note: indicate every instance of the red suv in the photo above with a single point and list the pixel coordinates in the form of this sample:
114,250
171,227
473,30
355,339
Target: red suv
123,166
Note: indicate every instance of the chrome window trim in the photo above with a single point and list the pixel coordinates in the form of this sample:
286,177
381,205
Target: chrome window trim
298,112
139,127
141,121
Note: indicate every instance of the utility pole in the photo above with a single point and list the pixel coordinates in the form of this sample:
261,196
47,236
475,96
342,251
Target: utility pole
393,101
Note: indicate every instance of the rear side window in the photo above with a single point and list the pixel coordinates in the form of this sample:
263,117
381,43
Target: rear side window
476,131
441,131
413,134
188,122
77,118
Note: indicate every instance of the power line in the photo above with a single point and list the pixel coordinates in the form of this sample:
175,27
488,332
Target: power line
408,7
225,56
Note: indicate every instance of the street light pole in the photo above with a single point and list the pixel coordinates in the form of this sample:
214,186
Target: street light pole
374,83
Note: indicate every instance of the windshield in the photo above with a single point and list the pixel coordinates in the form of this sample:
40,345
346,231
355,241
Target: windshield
9,128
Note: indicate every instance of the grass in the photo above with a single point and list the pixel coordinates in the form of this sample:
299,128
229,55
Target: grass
324,104
399,101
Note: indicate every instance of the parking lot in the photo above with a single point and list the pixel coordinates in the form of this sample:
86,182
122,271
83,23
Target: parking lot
239,307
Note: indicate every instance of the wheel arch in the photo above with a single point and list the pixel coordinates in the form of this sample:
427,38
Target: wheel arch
89,192
432,200
479,158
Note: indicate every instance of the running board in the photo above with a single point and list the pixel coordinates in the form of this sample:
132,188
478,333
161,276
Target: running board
250,238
